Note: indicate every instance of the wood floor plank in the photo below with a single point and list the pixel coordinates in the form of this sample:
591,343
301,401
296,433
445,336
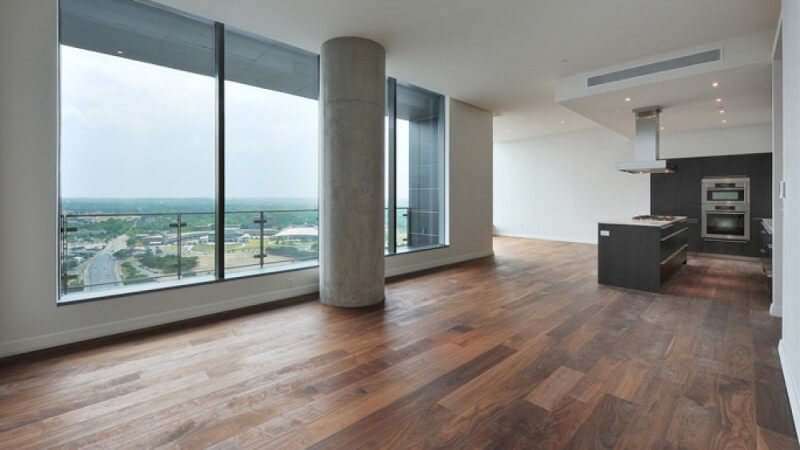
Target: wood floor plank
605,424
772,403
561,381
737,413
650,423
693,425
359,434
519,350
770,440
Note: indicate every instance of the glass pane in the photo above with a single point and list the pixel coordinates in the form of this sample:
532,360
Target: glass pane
296,239
197,244
136,145
402,228
420,168
243,240
386,184
726,195
271,154
141,32
106,252
731,224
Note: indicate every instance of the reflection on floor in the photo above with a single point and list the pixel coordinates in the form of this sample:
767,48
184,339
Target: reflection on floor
722,277
520,350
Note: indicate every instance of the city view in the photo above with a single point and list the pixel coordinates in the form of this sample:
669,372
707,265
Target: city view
113,243
137,172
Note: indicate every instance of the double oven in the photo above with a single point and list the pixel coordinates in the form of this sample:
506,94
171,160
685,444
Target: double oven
725,207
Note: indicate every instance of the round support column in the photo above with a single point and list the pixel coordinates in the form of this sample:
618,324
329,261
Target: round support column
352,104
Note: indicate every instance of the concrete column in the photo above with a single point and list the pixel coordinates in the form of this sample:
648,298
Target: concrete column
352,104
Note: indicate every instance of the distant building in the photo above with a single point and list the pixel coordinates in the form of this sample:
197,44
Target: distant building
233,235
257,231
151,239
303,232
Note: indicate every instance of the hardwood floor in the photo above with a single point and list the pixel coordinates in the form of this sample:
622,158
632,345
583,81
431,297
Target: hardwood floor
523,350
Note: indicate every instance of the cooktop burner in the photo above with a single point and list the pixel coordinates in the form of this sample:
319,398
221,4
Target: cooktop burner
655,218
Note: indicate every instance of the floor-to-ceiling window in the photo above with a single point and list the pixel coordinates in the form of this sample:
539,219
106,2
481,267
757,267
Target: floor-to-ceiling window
188,152
169,123
415,181
271,111
137,145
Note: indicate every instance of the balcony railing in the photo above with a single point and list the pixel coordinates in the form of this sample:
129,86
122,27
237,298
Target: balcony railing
114,250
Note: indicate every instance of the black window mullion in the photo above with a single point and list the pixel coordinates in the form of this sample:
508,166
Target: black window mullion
442,182
219,207
391,109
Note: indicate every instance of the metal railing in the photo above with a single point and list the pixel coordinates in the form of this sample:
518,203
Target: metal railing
109,250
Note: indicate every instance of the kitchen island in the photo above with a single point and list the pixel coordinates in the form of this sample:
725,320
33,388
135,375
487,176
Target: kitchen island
642,252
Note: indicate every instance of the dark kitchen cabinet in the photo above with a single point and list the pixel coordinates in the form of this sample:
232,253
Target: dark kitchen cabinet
693,235
678,194
639,256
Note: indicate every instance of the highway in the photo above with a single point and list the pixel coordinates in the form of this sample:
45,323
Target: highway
103,267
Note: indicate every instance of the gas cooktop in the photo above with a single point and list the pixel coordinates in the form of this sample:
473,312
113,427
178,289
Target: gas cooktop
656,218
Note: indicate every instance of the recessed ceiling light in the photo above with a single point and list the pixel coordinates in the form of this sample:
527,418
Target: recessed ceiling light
724,120
120,52
722,110
507,130
627,99
562,122
715,84
719,100
662,128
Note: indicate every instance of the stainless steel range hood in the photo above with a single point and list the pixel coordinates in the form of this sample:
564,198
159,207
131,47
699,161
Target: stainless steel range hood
647,144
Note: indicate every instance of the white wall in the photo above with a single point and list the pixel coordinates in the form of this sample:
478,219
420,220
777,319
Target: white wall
558,187
718,142
29,317
790,344
776,309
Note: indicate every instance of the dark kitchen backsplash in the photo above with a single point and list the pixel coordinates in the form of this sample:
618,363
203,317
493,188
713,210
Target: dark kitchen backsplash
678,194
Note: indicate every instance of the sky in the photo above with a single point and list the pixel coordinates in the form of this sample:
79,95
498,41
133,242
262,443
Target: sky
132,129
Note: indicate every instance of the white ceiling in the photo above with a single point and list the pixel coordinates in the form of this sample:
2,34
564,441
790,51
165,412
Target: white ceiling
688,104
501,55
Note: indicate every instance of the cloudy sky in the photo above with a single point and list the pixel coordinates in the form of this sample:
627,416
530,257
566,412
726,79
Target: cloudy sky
132,129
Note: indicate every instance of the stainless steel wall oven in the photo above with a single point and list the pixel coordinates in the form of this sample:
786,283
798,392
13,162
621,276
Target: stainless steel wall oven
726,190
726,208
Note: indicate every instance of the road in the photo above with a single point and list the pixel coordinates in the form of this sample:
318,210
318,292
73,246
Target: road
102,269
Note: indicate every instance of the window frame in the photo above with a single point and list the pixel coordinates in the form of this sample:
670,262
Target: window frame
391,215
219,274
63,298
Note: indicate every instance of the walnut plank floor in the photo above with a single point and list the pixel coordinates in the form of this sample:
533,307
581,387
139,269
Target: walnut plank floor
520,350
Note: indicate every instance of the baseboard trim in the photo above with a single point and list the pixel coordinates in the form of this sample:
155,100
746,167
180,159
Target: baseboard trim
139,323
151,320
775,310
403,270
791,387
544,237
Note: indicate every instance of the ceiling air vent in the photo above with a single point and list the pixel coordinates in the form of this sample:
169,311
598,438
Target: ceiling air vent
656,67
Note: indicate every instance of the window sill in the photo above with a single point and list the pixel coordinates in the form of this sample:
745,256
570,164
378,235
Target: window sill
82,297
406,250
